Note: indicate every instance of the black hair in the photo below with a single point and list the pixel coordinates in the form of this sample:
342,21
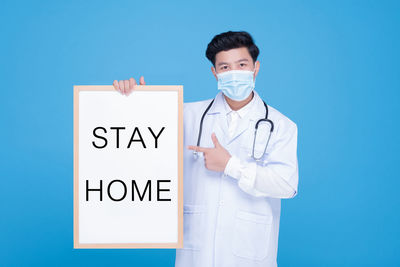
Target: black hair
229,40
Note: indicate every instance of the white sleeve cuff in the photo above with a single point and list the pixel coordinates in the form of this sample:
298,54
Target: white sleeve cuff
245,173
232,168
248,178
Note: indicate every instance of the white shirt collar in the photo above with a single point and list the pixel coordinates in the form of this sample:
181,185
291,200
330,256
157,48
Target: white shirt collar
241,112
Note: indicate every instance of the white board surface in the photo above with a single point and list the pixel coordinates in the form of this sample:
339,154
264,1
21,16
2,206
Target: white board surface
126,143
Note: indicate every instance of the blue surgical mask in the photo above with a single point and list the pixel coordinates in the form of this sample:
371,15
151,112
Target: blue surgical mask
236,84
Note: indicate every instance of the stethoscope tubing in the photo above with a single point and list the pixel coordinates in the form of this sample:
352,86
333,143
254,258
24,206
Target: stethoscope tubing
255,128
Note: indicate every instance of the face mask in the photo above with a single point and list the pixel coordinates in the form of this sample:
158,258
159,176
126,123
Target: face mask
236,84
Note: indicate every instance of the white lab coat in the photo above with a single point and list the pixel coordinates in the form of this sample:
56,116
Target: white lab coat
229,222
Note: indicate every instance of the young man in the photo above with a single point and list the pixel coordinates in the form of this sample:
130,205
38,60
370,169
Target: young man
233,182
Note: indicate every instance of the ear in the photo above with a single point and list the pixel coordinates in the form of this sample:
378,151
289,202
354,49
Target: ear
214,73
257,68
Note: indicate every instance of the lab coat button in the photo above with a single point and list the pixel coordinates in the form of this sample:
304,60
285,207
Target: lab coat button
221,202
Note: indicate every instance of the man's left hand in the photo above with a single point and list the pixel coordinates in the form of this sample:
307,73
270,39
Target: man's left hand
215,158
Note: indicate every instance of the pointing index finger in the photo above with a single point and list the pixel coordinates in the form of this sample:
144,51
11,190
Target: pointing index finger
198,148
215,140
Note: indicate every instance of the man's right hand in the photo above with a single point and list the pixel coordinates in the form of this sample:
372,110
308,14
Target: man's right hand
126,87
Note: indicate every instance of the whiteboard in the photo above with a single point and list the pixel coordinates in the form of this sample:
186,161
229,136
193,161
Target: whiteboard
128,167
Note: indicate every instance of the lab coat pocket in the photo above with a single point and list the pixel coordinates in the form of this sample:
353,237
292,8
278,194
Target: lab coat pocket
251,236
192,226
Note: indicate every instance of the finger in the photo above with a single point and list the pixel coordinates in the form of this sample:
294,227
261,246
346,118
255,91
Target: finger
195,148
141,81
126,88
122,86
215,140
116,86
198,149
132,84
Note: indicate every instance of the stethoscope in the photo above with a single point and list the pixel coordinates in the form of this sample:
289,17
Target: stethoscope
195,153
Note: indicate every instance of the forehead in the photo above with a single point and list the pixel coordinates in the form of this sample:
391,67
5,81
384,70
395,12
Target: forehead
233,55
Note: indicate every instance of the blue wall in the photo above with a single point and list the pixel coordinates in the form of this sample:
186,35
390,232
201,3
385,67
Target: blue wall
330,66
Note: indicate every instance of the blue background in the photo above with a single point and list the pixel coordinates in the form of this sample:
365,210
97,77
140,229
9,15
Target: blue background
330,66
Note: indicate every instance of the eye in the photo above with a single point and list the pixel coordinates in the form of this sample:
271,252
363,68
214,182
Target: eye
242,64
224,67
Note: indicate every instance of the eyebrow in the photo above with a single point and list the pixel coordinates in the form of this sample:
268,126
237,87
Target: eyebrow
243,59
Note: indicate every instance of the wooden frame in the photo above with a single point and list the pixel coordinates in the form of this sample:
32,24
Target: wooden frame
77,244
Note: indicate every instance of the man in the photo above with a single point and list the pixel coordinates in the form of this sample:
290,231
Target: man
232,189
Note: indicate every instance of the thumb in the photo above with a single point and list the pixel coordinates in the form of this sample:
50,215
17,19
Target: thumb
215,140
141,81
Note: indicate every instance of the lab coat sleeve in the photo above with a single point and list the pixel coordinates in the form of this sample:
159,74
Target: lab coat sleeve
278,177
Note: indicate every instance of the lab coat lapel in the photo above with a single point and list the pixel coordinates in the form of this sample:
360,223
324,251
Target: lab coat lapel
255,113
221,127
240,128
